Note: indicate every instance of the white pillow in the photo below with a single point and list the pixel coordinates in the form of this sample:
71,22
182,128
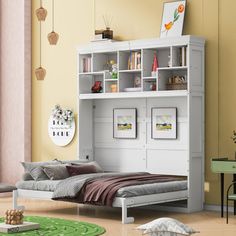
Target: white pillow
166,227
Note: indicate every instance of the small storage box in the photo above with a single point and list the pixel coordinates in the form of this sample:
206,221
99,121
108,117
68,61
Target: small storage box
176,86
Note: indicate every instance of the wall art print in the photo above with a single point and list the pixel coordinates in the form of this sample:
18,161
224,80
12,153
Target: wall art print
172,19
125,123
164,123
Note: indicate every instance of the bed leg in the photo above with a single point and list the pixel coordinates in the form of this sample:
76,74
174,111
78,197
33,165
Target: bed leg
15,205
125,219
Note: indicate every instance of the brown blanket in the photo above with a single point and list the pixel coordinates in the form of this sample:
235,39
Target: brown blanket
102,191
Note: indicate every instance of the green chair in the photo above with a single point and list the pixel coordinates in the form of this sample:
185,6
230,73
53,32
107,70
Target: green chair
230,197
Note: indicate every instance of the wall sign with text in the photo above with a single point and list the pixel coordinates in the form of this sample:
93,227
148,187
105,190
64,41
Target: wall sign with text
60,133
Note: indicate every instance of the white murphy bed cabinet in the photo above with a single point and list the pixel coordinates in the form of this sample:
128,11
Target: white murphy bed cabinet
183,156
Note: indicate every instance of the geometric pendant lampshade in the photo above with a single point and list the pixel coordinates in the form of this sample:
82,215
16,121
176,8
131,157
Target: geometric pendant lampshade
41,12
53,38
40,73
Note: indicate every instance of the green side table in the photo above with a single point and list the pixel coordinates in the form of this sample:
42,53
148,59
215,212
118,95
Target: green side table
224,166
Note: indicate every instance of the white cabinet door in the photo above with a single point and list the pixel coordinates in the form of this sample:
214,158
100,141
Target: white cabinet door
173,162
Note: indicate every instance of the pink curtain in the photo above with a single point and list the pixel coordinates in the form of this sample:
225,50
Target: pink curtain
15,87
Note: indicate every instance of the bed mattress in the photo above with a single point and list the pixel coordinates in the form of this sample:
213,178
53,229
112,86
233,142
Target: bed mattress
146,189
130,191
43,185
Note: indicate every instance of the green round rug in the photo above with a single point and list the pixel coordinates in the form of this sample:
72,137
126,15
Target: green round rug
59,227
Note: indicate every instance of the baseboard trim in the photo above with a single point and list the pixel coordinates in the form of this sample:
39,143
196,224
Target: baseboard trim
208,207
166,208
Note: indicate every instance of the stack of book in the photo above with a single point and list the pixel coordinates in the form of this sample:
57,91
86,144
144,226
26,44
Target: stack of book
10,229
98,34
86,64
134,62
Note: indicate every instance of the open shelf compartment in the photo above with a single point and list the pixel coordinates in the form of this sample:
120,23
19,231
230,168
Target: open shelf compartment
130,60
86,81
149,84
164,77
129,80
163,58
85,63
111,86
179,56
101,61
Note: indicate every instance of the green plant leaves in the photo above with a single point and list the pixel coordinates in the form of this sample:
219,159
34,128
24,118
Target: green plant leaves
175,13
177,17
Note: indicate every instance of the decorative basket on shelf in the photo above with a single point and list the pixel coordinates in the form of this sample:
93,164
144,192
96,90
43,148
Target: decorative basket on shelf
176,86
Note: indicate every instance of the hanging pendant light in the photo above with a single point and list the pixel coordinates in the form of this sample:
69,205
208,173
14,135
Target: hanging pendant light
41,12
40,72
53,36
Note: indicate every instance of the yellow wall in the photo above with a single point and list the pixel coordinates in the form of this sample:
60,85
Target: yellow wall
135,19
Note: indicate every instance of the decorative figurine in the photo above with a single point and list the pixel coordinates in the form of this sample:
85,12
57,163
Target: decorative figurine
137,81
113,88
114,71
97,87
154,65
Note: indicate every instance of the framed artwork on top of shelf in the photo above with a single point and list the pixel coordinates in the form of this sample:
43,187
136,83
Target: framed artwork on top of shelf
172,19
125,123
164,123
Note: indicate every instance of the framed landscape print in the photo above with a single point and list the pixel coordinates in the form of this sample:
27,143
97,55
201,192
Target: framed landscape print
125,123
164,123
172,19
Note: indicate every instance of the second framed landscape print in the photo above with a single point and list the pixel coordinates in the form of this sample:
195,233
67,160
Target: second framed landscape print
164,123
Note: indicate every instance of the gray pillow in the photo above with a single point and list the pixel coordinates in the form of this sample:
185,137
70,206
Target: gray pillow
166,226
98,168
78,161
35,169
56,172
27,176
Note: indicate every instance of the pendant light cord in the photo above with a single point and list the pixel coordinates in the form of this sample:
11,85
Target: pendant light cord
94,15
40,39
40,43
53,15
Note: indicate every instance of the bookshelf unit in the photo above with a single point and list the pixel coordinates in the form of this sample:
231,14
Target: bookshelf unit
182,57
173,58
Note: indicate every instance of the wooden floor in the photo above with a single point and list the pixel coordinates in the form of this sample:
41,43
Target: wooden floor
208,223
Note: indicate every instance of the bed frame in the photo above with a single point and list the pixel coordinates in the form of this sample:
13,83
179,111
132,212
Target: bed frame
183,156
124,203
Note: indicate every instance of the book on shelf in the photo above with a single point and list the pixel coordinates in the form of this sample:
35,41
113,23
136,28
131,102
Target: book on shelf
98,37
183,58
103,40
134,62
86,64
179,56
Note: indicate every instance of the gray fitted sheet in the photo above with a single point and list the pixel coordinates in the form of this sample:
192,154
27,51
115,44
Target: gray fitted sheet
130,191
